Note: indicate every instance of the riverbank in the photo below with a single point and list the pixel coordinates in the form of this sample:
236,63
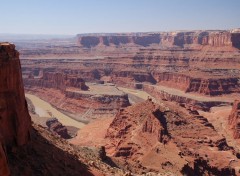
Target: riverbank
44,109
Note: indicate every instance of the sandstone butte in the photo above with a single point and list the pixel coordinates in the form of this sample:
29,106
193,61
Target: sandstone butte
15,121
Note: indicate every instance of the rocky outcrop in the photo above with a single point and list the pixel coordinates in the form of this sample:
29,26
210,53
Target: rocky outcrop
211,38
208,86
149,121
187,102
57,80
234,119
202,167
214,86
57,128
119,100
15,121
134,76
100,100
165,137
219,39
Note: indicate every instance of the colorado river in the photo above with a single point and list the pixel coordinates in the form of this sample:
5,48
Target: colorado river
44,109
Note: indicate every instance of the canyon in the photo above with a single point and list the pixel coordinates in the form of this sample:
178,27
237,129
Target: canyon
204,62
197,63
150,103
30,149
162,133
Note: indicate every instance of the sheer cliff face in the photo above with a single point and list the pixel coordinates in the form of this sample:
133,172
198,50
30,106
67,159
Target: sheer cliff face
15,121
210,38
208,86
234,119
3,162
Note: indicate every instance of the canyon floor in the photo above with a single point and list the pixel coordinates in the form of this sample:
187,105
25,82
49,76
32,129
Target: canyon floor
94,135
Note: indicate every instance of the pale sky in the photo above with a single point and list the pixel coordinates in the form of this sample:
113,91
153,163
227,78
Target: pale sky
96,16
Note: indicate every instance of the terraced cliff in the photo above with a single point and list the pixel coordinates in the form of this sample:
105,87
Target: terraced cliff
203,62
211,38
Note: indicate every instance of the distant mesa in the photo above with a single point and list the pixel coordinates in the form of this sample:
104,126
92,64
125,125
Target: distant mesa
229,38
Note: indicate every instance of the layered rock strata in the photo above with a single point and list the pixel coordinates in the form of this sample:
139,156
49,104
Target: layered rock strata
99,101
204,62
148,137
193,102
57,80
204,38
57,128
15,121
207,86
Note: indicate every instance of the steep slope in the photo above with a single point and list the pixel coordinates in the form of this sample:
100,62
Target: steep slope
48,154
234,119
15,121
148,137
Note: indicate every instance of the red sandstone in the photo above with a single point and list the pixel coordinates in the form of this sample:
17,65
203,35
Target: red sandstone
15,121
234,119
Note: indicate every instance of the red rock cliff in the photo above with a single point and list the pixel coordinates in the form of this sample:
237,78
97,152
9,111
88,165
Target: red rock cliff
15,121
57,80
234,119
207,86
210,38
146,122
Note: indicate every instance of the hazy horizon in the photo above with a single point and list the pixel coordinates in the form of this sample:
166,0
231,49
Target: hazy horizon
85,33
92,16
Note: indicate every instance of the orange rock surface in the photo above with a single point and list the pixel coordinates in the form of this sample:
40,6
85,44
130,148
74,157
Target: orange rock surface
146,137
15,121
234,119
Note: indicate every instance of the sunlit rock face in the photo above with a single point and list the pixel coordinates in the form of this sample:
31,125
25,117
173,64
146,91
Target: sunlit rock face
234,119
15,121
205,38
